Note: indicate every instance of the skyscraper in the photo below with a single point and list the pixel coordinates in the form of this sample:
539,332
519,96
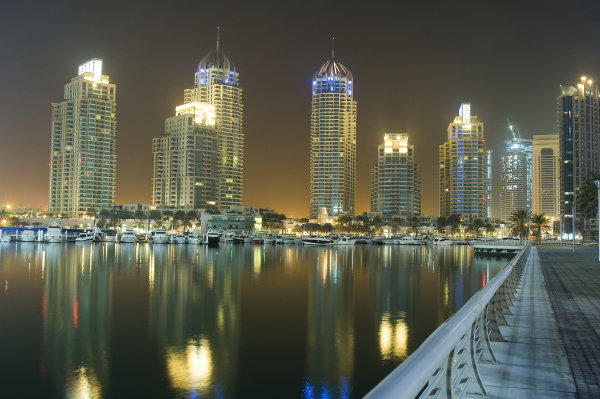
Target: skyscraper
515,177
217,83
83,156
332,140
489,175
463,177
185,159
395,180
546,172
579,134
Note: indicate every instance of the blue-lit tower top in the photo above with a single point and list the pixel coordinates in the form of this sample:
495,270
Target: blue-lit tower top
333,77
215,68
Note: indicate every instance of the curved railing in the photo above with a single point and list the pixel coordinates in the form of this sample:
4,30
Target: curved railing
446,365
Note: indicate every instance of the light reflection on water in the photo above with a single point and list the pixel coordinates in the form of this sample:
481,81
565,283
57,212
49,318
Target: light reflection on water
238,321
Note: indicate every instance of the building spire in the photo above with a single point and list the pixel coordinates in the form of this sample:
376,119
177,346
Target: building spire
332,50
218,32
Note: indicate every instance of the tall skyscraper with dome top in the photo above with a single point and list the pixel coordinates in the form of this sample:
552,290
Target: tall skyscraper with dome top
332,140
217,83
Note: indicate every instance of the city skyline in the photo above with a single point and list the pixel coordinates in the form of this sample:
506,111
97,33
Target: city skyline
276,115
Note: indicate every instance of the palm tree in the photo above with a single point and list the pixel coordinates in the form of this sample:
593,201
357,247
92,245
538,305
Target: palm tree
454,222
587,196
519,222
414,223
441,224
541,224
477,225
489,228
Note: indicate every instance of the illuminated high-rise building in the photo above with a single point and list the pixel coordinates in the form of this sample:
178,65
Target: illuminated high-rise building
546,173
463,160
578,123
332,140
515,177
217,82
83,156
395,180
185,159
489,174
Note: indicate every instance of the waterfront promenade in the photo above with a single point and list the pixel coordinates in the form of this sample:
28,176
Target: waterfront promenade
552,341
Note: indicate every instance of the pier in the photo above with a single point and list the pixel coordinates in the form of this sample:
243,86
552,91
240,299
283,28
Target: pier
541,327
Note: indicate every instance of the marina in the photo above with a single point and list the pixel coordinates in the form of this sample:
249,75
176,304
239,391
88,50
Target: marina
229,321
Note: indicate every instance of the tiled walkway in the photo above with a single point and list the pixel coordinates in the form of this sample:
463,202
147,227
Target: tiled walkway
532,363
573,282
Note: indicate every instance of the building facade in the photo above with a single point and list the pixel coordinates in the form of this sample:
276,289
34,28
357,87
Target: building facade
515,177
217,83
83,157
578,123
332,141
546,163
186,159
489,175
462,165
395,180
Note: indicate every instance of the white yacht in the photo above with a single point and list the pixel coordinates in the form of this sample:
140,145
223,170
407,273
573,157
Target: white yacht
159,236
194,239
344,240
180,238
128,236
4,237
54,234
28,234
444,241
317,240
86,236
288,239
228,237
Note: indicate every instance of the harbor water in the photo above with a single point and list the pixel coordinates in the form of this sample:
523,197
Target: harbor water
139,320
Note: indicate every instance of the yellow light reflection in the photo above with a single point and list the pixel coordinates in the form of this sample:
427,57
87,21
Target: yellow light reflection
84,385
393,338
191,368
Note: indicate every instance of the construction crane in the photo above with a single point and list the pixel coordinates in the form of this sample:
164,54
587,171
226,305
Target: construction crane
514,130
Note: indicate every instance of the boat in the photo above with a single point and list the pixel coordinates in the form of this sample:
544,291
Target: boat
376,240
228,237
287,239
317,240
344,240
180,238
258,240
239,239
248,239
269,240
4,238
194,239
110,238
54,234
212,238
128,237
444,241
403,241
27,235
86,236
159,236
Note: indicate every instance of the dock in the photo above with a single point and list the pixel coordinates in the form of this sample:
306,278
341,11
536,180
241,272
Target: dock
497,249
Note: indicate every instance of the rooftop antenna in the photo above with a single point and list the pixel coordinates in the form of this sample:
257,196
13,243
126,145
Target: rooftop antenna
218,31
332,51
514,130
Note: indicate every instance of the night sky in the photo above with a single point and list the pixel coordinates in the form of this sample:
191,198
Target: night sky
413,63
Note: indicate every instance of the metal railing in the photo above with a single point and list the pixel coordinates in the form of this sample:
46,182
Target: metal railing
446,365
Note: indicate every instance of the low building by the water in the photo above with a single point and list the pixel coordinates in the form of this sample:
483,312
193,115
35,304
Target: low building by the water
231,222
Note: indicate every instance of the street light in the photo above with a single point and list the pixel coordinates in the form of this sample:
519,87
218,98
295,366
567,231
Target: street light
598,223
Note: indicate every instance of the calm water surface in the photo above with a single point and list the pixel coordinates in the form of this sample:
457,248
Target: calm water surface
128,321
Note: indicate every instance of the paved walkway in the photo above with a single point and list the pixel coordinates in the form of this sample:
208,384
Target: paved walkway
532,363
573,282
552,347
